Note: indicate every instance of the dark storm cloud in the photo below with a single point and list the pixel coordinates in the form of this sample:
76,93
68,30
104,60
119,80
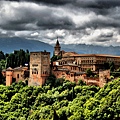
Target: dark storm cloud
103,40
51,22
55,2
75,21
105,37
83,3
25,17
108,35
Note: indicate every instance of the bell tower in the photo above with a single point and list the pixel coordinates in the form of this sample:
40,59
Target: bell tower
57,48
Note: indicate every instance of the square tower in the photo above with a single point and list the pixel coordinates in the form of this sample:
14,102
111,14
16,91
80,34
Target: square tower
39,68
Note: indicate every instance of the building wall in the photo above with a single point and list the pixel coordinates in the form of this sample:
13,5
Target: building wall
15,74
18,75
104,77
89,61
39,67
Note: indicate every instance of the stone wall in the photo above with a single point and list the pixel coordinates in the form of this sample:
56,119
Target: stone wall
104,77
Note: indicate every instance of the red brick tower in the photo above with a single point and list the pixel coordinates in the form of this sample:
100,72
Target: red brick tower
39,68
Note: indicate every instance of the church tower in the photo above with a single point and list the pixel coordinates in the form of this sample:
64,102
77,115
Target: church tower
57,48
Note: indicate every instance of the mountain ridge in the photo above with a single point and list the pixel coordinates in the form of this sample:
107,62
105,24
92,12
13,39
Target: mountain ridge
93,49
8,45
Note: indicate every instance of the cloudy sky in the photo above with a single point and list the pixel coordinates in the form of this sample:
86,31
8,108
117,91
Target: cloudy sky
72,21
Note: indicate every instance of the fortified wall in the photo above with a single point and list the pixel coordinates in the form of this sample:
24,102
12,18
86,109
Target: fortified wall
104,77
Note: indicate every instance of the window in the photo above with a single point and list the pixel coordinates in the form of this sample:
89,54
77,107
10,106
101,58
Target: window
34,71
34,65
17,75
71,75
45,72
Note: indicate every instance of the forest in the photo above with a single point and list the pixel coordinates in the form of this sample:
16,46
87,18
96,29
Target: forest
60,100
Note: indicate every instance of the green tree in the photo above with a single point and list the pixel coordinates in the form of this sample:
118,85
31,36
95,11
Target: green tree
112,66
89,72
51,80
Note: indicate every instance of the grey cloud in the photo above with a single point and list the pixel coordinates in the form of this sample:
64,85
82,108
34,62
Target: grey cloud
41,18
54,2
103,40
108,35
69,15
83,3
51,22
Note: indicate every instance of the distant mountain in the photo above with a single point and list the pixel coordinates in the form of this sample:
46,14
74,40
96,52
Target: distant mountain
8,45
92,49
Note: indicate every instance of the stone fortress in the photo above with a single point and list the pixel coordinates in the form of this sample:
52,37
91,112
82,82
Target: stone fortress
71,66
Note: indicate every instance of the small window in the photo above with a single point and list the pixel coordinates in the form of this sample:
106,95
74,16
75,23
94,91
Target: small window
17,75
71,75
34,71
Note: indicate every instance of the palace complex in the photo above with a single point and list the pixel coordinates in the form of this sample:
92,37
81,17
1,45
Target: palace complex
70,66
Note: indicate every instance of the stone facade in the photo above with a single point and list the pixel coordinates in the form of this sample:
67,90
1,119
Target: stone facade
39,67
104,77
101,80
82,62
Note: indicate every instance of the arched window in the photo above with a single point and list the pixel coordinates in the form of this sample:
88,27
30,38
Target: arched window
34,71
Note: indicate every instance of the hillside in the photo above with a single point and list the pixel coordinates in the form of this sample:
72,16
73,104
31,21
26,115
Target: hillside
65,101
8,45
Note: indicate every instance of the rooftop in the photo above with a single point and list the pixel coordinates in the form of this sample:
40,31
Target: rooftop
94,55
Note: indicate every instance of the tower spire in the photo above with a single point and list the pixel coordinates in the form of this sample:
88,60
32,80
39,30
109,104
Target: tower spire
57,43
57,47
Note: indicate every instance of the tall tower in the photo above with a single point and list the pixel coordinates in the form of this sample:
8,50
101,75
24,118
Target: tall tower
39,68
57,48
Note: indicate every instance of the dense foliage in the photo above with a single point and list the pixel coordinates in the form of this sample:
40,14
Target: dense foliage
67,101
15,59
19,57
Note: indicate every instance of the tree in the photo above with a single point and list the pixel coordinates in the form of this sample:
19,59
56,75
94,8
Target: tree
89,72
55,116
51,80
2,56
55,57
19,57
106,66
112,66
